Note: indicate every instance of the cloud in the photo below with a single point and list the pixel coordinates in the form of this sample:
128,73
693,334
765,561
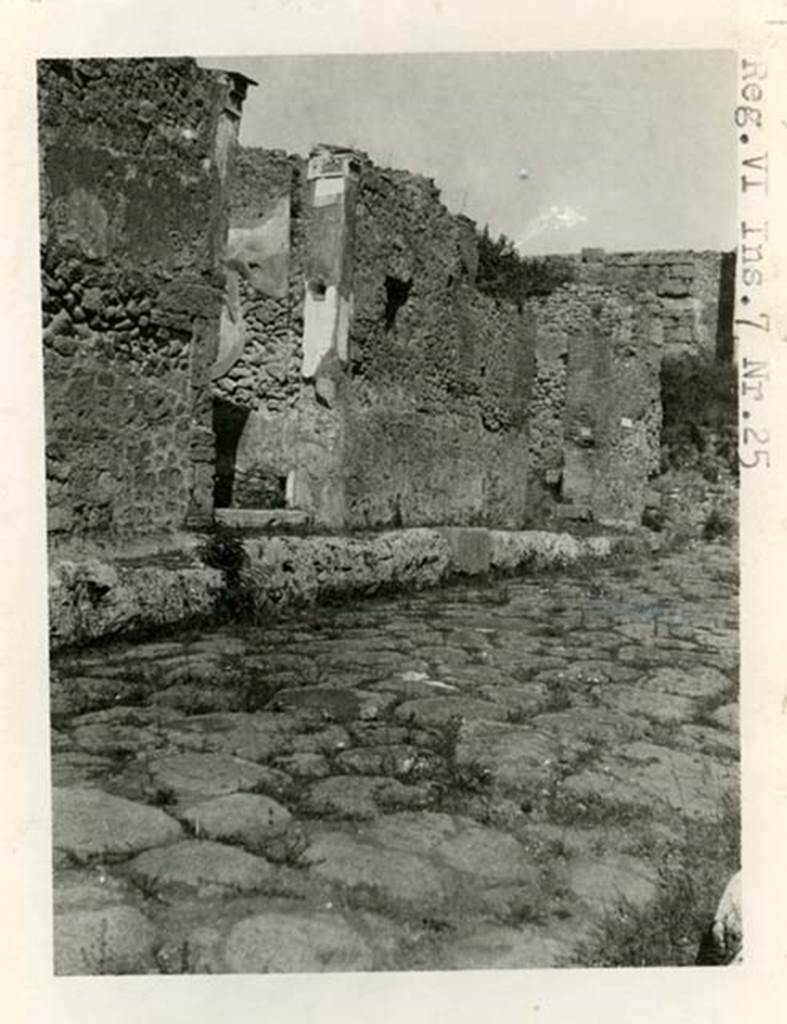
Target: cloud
556,218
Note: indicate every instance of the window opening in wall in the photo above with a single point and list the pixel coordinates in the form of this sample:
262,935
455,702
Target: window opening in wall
228,423
318,290
264,490
397,292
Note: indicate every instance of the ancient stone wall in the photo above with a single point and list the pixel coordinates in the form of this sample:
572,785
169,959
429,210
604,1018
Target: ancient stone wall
135,156
381,388
279,421
440,375
694,290
596,411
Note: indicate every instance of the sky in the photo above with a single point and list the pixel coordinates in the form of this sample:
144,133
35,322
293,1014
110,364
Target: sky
625,150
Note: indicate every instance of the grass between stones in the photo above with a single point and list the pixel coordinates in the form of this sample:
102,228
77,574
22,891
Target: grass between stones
693,870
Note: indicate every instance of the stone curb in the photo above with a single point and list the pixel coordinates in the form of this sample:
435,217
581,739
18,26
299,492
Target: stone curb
94,598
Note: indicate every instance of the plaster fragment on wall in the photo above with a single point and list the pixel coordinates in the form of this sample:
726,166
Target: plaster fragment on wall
261,251
231,334
226,136
319,328
87,223
343,327
328,191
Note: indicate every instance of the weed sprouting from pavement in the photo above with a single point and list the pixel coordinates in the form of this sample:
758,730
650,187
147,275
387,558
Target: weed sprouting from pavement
692,874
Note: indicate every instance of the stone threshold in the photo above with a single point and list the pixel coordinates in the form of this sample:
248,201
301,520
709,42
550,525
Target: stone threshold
262,519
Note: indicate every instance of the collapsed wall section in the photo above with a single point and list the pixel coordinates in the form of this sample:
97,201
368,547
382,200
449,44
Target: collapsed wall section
135,156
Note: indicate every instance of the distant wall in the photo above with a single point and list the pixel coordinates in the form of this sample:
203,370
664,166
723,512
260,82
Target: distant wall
693,289
134,162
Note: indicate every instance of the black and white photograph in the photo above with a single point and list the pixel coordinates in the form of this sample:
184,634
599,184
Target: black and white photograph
396,408
392,495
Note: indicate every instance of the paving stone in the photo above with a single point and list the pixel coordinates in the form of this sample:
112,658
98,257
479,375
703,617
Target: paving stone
304,765
111,940
603,881
360,797
113,740
701,681
82,889
342,705
596,725
648,656
515,756
423,687
492,857
257,736
295,943
329,740
521,702
645,775
495,947
727,716
397,877
195,698
708,740
130,715
192,777
436,711
89,823
76,768
593,670
245,818
199,868
665,708
403,761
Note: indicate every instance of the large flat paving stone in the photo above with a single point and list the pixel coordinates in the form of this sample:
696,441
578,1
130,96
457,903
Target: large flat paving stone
645,774
701,681
360,797
603,881
76,768
199,868
294,943
436,711
257,736
727,716
89,889
246,818
515,757
665,708
192,777
341,704
497,947
90,824
401,879
490,856
590,724
111,940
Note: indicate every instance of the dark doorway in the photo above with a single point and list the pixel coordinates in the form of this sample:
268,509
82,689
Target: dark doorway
228,423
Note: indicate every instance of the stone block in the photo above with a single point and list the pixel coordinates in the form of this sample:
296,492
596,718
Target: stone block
471,549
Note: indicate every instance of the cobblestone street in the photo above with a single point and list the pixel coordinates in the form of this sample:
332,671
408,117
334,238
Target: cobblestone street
462,778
